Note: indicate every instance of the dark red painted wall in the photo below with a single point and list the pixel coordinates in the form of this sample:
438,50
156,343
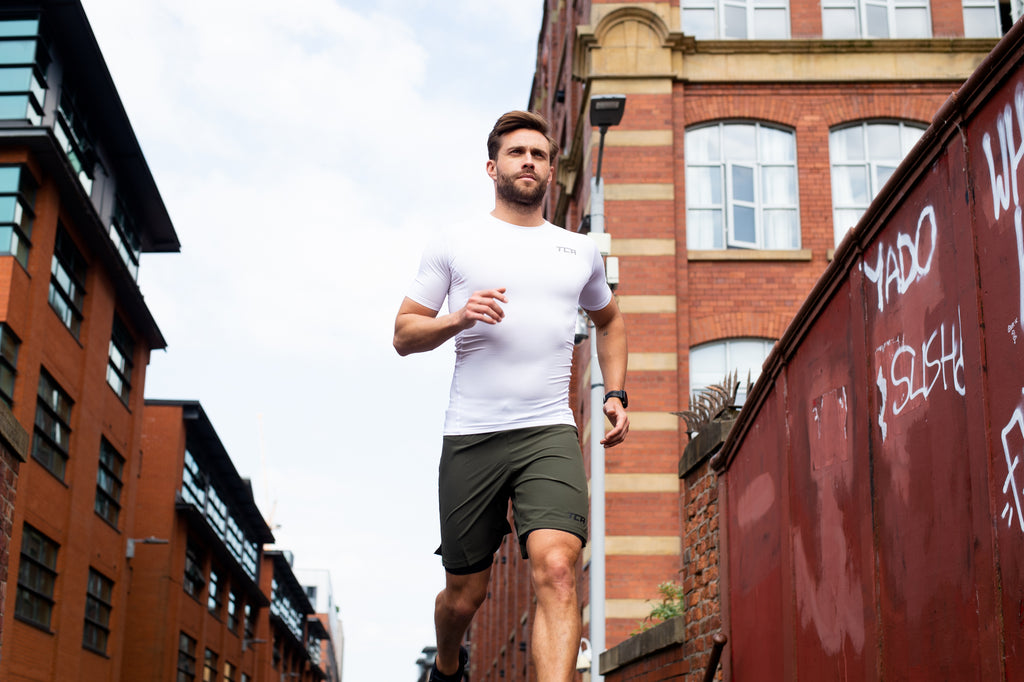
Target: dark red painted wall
872,492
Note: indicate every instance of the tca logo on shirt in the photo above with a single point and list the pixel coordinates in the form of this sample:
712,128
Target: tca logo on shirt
566,249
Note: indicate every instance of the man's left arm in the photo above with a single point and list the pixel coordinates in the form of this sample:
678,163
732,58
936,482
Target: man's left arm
610,330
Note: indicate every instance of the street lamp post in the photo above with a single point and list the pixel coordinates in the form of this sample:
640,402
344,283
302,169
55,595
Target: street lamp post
605,111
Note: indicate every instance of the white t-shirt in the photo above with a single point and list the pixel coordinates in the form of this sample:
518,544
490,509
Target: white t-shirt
513,374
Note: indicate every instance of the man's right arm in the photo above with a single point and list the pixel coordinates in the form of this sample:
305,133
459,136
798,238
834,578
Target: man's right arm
419,329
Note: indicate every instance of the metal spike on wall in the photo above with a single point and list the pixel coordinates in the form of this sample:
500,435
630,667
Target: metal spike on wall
709,402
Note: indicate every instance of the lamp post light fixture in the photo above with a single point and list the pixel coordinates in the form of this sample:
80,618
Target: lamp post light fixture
132,542
605,111
247,643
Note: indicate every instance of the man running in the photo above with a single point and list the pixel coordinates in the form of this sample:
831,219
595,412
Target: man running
513,283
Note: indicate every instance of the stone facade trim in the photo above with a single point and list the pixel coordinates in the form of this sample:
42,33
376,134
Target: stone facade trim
641,483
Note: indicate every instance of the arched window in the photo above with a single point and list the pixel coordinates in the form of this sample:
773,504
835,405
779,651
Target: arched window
711,362
863,156
741,188
738,19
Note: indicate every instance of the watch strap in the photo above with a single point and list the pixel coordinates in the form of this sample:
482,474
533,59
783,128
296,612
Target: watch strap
621,395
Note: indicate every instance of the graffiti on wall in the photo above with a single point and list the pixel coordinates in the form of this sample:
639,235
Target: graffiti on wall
910,370
1003,175
1003,180
906,262
1010,487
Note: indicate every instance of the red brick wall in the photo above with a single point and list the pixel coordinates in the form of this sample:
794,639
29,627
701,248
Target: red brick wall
667,664
64,510
157,570
8,490
805,18
700,564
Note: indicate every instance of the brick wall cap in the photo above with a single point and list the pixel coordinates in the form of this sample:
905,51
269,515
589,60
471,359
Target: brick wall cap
639,646
705,444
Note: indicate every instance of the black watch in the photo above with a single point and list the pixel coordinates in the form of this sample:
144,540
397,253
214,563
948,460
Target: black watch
621,395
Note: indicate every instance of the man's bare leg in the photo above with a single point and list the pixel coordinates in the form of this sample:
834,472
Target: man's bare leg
556,632
453,612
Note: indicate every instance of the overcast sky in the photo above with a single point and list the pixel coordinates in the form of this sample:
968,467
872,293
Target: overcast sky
306,150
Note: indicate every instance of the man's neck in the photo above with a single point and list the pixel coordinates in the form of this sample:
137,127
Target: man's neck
522,216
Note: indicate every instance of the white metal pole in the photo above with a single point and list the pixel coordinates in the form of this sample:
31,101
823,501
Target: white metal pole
597,531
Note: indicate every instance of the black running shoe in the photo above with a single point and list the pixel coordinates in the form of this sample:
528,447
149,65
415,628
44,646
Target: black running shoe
459,676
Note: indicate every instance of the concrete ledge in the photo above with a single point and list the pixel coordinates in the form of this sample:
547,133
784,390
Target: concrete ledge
705,444
748,254
659,637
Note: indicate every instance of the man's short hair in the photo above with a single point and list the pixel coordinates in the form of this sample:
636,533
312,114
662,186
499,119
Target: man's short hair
519,120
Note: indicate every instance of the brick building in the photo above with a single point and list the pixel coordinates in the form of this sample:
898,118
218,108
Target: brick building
195,557
78,205
754,135
14,448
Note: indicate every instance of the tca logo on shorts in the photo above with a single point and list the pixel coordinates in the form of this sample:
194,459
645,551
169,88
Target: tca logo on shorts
577,517
566,249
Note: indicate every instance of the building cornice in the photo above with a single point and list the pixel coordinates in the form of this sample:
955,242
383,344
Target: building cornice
635,42
823,46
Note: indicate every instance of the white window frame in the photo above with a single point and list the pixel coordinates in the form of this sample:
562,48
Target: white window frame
892,8
729,203
752,8
731,240
730,364
872,166
995,27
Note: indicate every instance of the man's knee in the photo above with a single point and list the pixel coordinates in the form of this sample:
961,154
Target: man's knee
463,595
553,564
555,569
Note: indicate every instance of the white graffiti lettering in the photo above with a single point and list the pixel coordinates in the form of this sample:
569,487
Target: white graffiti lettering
1012,460
906,263
1005,183
883,389
1020,264
903,367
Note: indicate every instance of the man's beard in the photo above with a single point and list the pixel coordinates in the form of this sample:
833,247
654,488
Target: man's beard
525,197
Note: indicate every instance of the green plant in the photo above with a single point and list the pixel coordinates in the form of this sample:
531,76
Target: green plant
672,604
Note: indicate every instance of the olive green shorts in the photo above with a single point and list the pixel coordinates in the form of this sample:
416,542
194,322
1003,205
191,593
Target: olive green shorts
540,469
